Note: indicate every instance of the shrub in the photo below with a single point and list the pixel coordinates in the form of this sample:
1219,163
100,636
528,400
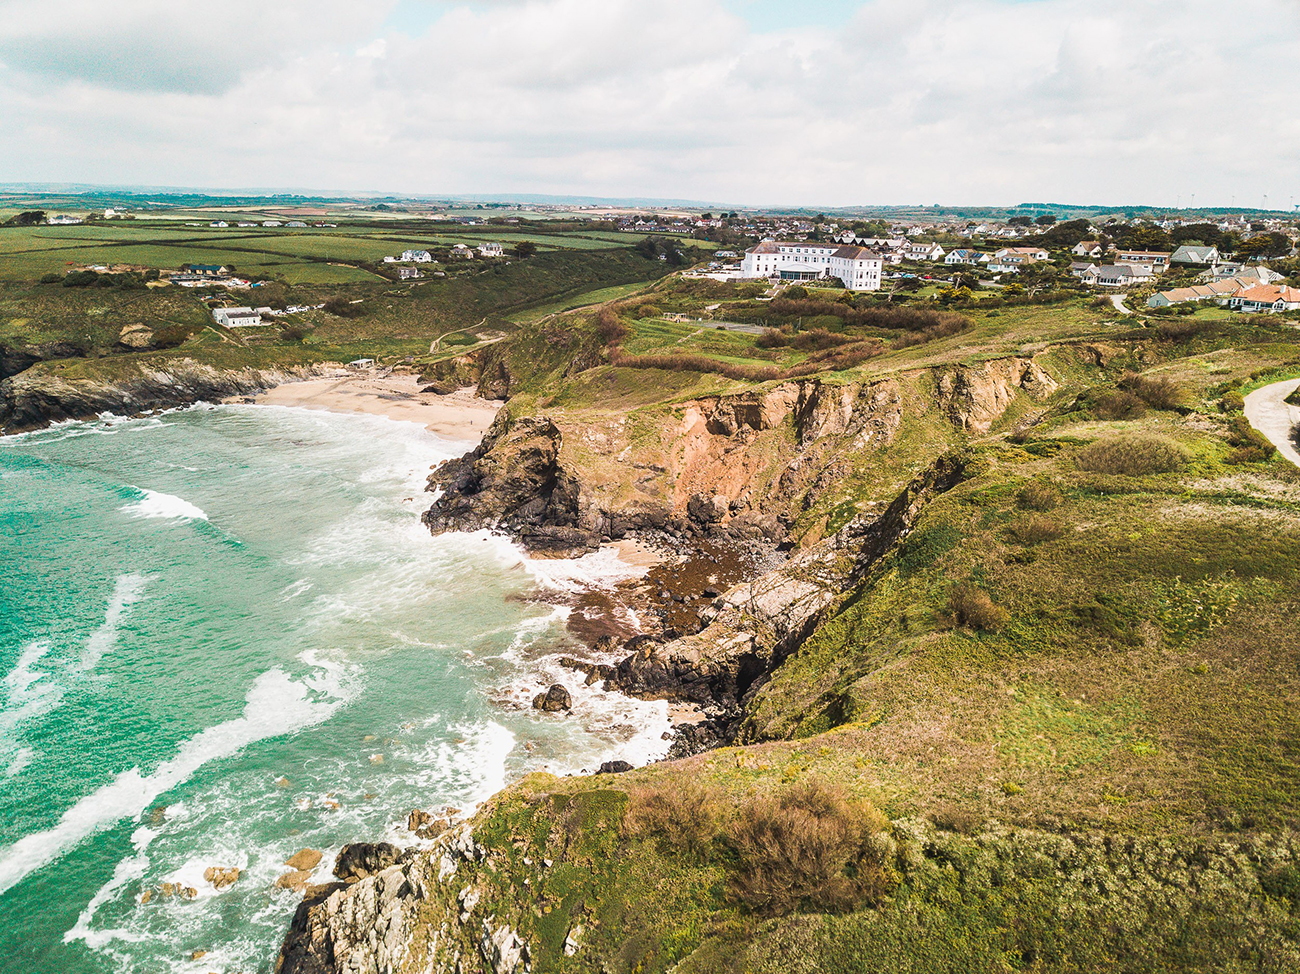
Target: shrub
683,817
796,293
1036,529
954,818
808,846
293,332
1291,400
1282,882
171,336
608,327
772,338
836,359
1118,405
1251,446
972,607
1132,456
1038,497
948,326
343,308
1232,401
1158,392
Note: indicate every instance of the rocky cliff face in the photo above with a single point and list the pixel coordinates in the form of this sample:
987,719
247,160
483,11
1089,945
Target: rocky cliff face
37,397
974,396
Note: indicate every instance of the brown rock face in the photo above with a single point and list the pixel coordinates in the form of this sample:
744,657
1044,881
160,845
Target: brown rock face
296,880
975,396
362,859
304,859
136,337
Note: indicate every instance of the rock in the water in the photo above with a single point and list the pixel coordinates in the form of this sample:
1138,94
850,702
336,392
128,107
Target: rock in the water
553,700
198,954
614,767
362,859
221,876
307,859
296,880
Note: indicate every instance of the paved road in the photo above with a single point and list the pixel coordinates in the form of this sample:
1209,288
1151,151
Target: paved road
1274,418
1118,301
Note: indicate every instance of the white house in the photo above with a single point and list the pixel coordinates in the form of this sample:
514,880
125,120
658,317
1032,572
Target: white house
1120,275
462,252
857,268
60,220
408,273
236,317
923,251
417,256
271,223
1223,272
1195,255
1032,253
1158,260
491,249
218,223
964,257
1089,248
1266,297
1082,269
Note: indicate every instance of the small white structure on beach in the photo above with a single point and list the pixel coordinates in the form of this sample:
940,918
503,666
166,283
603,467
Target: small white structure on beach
362,363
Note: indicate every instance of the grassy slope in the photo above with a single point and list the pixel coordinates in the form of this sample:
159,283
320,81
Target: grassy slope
1109,779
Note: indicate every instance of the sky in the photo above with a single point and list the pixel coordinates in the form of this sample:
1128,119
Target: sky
749,102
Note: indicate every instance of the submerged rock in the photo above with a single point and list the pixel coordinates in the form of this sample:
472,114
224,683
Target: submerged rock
304,859
221,876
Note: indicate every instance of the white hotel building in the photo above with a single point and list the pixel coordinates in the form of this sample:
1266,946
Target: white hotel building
857,268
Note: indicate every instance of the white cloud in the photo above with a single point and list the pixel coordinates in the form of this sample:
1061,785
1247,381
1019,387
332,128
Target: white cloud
924,101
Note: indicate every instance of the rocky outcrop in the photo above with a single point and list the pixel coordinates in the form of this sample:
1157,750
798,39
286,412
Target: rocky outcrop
19,357
975,396
512,482
362,859
755,626
713,476
40,396
555,700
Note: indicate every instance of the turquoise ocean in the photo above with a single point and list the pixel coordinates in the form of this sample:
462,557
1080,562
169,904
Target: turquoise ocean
225,637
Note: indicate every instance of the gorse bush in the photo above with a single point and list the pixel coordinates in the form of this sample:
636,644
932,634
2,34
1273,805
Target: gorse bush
1118,405
608,327
1038,497
1251,446
682,818
1158,392
1036,529
809,846
341,307
974,608
1132,456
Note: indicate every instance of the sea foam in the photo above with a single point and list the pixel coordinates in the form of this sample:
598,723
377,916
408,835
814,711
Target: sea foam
155,504
275,705
128,590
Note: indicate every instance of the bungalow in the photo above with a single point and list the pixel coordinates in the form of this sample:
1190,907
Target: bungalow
271,223
1219,291
1224,272
209,270
964,257
218,223
1035,253
1266,297
1120,275
1195,255
236,317
1082,268
60,220
1158,260
295,223
923,251
417,256
1089,248
491,249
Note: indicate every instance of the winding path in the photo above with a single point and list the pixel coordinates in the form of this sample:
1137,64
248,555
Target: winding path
1118,301
1269,414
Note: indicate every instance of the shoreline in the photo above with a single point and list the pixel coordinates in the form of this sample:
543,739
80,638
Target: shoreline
456,416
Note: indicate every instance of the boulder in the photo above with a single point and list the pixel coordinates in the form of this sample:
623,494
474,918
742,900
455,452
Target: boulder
362,859
614,767
221,876
307,859
553,700
296,880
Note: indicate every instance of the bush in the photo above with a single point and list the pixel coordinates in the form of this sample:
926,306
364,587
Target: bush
1118,405
954,818
1158,392
1132,456
772,338
808,846
796,293
171,336
1232,401
343,308
695,363
293,332
949,325
609,328
1036,529
972,607
1038,497
1251,446
683,818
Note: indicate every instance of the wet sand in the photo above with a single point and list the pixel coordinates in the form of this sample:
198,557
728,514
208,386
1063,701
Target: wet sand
457,416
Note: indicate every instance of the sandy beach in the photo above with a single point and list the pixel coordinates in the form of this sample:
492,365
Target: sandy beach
458,416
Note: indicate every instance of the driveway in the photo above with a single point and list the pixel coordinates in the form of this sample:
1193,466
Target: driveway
1274,418
1118,301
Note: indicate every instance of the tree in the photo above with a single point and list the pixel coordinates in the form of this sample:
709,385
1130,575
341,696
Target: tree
525,248
1046,220
28,218
1265,245
1020,221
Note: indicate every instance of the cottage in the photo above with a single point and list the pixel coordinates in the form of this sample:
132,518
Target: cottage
408,273
236,317
1195,255
61,220
1120,275
417,256
1082,269
1270,298
1089,248
964,257
1225,272
923,251
461,252
491,249
362,363
1034,253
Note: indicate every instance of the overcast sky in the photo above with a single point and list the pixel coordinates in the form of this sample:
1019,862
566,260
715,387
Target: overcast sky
815,102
